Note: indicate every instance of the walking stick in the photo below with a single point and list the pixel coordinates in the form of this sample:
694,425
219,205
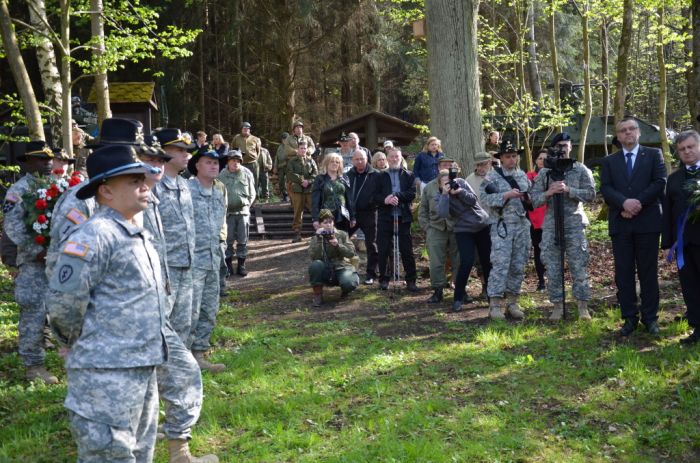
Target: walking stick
396,255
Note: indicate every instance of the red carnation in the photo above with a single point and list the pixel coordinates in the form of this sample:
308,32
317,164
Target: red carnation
53,189
73,181
58,171
40,240
40,204
42,219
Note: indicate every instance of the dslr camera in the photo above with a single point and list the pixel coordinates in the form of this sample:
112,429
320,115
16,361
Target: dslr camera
453,171
327,234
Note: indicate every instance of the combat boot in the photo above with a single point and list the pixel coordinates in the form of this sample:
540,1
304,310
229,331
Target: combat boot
513,308
496,308
35,372
241,267
297,238
557,312
436,296
318,296
229,266
583,310
205,365
179,452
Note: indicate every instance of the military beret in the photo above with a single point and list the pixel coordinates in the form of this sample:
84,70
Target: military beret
325,214
561,136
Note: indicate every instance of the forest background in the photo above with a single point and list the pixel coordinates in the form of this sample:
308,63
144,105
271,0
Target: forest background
217,63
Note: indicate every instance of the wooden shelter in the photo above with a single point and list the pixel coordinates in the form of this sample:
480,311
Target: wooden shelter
132,100
373,127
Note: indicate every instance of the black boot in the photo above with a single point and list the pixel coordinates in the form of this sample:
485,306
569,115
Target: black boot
436,297
241,267
229,266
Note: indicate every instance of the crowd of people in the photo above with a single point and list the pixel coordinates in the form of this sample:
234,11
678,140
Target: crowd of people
140,249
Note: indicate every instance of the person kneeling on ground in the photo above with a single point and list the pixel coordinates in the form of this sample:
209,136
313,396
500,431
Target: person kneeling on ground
332,255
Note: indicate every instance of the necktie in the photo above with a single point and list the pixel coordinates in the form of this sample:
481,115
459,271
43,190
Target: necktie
693,170
629,164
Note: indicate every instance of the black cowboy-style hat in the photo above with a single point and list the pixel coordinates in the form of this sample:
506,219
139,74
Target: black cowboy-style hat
37,149
119,131
174,137
153,148
108,162
506,147
211,153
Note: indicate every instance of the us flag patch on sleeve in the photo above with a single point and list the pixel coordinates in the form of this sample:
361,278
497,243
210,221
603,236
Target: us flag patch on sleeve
75,216
76,249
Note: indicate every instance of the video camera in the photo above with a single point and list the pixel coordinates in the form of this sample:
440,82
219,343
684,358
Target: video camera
453,171
557,164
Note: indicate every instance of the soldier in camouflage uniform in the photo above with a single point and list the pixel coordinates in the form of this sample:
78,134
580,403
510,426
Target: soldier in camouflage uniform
210,201
177,215
179,378
576,188
510,231
30,284
107,304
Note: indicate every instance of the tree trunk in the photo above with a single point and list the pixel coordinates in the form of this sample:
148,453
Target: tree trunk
695,102
48,68
520,72
622,58
97,28
605,70
663,87
533,73
453,83
66,113
20,75
556,81
588,102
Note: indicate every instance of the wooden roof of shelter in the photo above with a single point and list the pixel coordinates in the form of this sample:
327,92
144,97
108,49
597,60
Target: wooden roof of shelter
129,92
372,127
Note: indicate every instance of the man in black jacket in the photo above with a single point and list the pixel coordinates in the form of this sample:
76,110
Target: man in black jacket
680,237
397,187
632,182
363,194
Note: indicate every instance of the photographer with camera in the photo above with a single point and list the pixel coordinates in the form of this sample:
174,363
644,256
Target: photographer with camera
439,234
332,254
459,203
564,185
504,194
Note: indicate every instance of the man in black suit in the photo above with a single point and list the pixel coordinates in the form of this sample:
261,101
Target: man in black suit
397,187
632,182
683,244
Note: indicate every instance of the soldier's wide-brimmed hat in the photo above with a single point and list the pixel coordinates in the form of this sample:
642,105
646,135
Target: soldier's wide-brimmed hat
325,214
297,124
192,163
61,155
152,148
174,137
37,149
561,136
508,147
119,131
481,156
111,161
246,125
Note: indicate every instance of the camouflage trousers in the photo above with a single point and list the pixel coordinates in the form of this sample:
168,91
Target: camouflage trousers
576,247
205,307
113,413
509,256
180,301
30,289
238,228
180,387
441,245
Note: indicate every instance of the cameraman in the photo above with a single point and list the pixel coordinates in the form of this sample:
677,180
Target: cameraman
331,253
574,181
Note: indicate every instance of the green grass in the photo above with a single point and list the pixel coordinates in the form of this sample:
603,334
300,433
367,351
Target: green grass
306,388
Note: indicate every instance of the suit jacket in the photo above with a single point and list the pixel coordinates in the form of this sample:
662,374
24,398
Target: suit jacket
646,185
406,196
675,204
